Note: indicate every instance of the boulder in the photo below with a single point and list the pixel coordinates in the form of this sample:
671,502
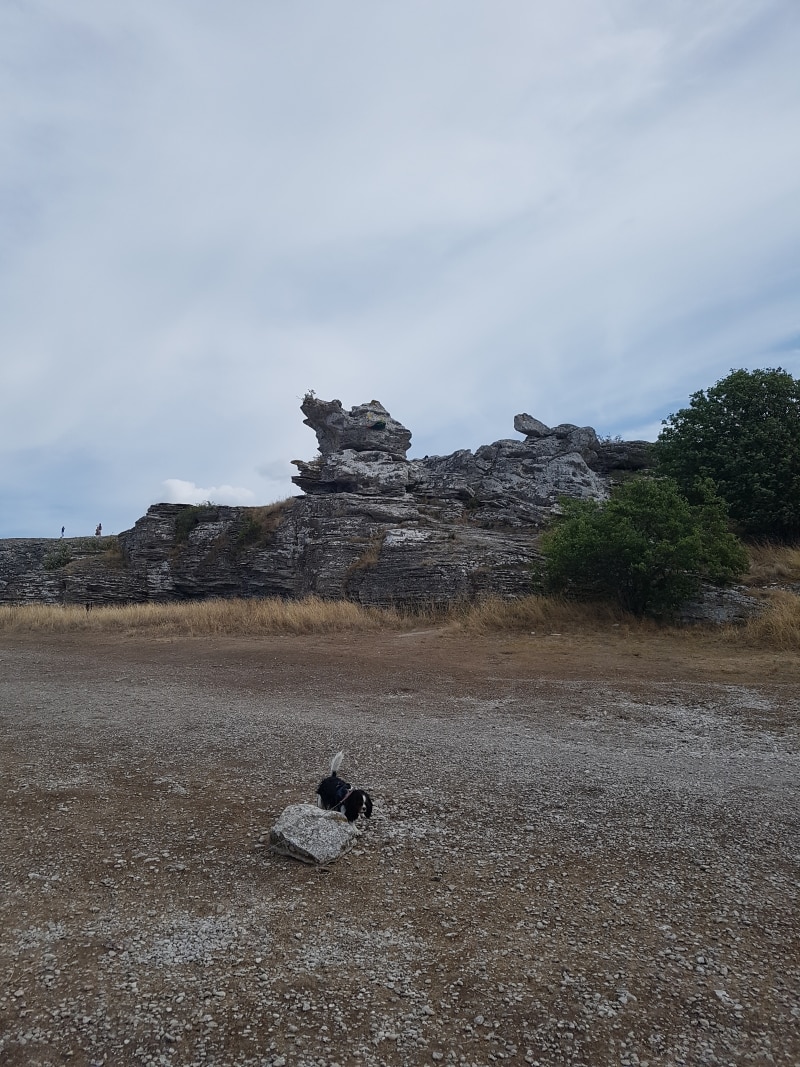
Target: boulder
530,426
307,833
365,428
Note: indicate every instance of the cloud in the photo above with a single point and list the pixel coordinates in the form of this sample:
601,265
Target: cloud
180,492
276,470
586,210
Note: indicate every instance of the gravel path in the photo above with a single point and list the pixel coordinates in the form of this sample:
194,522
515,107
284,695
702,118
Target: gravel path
594,866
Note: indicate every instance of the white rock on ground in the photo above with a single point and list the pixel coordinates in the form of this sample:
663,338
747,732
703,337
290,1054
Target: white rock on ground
312,835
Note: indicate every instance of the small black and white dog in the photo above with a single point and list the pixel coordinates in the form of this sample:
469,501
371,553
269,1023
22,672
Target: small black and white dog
335,794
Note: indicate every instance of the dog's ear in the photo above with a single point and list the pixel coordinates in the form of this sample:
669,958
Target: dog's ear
367,806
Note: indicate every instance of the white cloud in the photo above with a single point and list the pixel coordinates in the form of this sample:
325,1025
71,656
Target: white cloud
276,470
181,492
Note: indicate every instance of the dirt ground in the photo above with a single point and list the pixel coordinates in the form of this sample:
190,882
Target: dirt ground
584,851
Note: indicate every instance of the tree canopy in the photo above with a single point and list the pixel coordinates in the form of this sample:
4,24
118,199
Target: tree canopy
743,434
647,547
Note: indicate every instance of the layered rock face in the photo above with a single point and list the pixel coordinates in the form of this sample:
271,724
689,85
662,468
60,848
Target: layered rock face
86,570
373,526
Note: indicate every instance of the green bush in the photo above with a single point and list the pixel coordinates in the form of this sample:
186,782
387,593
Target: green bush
647,547
744,434
91,546
58,558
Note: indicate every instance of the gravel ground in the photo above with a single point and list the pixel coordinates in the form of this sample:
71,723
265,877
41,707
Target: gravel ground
581,856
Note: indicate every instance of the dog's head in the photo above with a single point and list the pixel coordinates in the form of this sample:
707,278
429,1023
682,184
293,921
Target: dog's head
358,803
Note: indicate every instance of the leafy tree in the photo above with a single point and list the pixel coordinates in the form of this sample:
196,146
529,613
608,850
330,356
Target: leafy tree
647,547
744,434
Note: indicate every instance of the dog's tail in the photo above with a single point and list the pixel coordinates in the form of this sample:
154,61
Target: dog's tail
336,762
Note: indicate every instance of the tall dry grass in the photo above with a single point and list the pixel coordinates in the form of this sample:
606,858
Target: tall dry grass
778,626
539,614
206,617
772,564
308,616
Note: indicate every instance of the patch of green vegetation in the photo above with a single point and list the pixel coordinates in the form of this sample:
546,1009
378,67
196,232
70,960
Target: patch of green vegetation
744,434
192,516
647,548
58,558
91,546
259,524
249,532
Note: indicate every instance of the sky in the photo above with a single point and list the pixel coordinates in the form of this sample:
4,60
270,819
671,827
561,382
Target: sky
465,209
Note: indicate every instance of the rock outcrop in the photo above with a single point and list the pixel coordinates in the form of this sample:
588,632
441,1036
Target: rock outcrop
371,526
721,607
365,428
86,570
508,483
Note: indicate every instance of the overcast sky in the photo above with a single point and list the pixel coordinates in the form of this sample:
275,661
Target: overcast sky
583,210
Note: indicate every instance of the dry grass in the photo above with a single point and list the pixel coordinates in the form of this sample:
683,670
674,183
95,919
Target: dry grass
772,564
311,615
263,521
540,614
208,617
371,554
778,627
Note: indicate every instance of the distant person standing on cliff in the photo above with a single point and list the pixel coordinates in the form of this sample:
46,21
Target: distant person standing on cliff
62,531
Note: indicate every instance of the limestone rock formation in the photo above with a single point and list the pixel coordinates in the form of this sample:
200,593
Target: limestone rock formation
365,428
371,526
85,570
508,483
362,450
311,835
352,471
